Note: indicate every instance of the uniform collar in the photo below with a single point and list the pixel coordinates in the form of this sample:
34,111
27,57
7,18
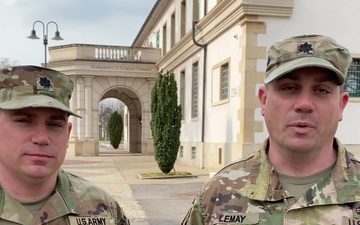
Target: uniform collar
63,199
66,190
263,184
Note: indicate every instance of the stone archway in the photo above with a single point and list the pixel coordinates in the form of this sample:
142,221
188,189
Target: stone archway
128,77
132,117
134,92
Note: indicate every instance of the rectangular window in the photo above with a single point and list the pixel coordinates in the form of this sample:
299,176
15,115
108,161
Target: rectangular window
195,90
158,39
352,81
164,31
182,94
220,155
181,152
220,82
195,10
172,38
193,152
224,81
182,18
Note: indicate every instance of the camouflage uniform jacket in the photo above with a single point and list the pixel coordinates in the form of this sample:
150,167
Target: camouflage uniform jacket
249,192
74,201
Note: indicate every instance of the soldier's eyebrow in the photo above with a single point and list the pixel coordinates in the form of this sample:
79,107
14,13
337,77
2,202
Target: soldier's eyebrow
59,117
22,112
330,76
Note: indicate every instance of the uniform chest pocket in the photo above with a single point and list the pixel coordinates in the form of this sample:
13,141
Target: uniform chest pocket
235,218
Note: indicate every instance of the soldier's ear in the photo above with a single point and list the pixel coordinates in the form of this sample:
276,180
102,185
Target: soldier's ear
262,95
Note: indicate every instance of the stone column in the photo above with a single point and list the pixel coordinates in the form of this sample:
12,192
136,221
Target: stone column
89,144
73,108
88,107
74,144
80,99
251,78
148,143
151,86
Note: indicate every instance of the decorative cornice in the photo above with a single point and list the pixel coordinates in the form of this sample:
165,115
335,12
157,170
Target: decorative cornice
268,9
150,21
221,18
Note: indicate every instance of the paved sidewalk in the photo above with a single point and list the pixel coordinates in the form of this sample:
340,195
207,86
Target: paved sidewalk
116,172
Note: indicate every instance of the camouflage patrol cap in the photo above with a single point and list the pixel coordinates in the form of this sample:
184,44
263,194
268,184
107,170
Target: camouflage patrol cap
33,86
307,51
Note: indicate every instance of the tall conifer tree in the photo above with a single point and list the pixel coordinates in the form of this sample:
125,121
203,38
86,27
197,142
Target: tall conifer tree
166,121
115,129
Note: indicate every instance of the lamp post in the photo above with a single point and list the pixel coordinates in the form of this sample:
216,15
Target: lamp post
45,35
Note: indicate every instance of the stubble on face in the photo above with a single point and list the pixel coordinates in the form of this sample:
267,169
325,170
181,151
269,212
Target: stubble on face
302,110
38,143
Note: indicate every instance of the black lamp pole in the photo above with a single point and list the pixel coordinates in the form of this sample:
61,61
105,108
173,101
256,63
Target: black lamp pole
45,35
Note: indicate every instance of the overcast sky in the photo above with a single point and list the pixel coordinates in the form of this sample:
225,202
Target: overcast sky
105,22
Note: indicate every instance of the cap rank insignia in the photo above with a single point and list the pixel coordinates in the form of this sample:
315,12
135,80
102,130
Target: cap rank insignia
44,82
305,48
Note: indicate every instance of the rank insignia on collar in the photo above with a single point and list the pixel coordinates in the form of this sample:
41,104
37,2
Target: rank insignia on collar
305,48
44,82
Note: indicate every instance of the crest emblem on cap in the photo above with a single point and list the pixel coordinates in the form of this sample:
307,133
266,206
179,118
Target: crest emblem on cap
44,82
305,48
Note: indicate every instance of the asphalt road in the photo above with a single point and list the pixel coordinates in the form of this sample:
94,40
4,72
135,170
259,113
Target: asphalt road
165,204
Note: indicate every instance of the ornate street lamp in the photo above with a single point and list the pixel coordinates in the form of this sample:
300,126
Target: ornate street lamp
45,35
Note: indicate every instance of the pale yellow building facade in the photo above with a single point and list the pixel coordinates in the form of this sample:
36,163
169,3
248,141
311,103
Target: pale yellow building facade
217,50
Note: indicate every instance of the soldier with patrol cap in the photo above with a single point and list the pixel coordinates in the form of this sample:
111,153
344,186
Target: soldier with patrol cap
34,135
302,174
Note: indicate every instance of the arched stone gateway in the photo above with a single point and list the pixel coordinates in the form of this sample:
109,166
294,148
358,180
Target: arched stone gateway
132,116
101,72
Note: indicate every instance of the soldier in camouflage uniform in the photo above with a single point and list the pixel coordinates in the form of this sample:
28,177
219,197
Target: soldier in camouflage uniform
302,175
34,134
